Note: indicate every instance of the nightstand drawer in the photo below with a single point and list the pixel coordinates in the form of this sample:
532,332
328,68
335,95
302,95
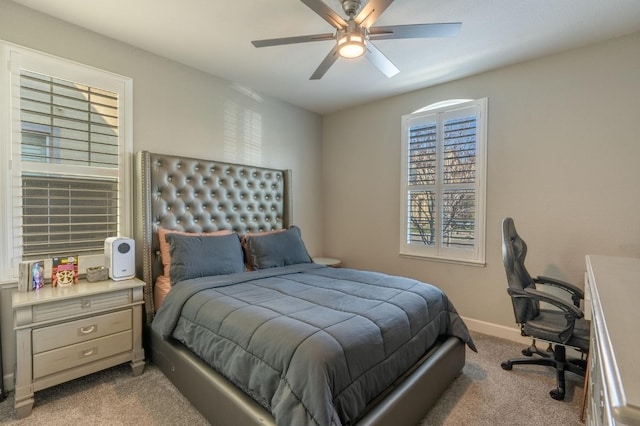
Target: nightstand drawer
57,336
80,305
50,362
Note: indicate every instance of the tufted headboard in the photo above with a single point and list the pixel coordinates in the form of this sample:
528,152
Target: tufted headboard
196,195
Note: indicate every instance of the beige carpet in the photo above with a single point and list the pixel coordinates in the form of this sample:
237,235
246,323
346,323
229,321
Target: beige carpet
484,394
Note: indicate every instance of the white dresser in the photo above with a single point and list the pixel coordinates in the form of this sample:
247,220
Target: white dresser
67,332
613,388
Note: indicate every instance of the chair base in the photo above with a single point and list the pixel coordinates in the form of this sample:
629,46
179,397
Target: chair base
552,357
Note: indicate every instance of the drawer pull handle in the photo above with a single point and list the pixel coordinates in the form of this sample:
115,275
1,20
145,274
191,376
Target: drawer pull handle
86,303
88,329
88,352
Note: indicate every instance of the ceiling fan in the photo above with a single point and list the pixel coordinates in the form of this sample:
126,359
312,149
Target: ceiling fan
354,36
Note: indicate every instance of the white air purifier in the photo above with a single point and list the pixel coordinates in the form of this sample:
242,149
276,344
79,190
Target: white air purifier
120,257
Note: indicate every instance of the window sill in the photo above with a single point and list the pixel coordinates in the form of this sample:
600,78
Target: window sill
466,262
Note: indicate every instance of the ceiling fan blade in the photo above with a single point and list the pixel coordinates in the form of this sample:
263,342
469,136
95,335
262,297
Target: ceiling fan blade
325,64
450,29
328,14
380,61
371,12
293,40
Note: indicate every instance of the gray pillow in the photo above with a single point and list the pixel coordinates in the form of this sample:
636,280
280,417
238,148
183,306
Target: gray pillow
276,249
194,256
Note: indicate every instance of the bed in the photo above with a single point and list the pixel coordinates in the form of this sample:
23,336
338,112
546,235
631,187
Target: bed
315,316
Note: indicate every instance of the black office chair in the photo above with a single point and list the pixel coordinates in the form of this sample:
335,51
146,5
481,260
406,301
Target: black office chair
560,327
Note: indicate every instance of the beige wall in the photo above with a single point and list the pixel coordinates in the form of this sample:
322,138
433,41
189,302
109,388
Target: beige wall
563,154
179,110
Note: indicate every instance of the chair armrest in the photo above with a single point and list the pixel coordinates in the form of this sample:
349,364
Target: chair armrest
576,293
571,313
555,301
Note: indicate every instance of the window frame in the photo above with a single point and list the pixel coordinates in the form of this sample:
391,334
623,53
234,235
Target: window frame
476,255
14,58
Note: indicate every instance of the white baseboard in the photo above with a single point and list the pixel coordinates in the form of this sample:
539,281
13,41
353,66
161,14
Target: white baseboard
496,330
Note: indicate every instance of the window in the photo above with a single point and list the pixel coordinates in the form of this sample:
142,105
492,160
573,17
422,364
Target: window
443,181
68,159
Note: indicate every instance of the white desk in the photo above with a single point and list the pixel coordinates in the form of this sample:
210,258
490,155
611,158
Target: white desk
614,378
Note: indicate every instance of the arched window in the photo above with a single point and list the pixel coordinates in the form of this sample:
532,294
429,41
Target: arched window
443,181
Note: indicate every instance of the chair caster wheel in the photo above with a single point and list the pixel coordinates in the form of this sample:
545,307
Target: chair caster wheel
506,365
557,395
527,352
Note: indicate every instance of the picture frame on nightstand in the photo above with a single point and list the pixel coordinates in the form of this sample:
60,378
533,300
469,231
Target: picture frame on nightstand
64,271
31,275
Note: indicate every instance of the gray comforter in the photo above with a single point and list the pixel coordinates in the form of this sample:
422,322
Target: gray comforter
312,344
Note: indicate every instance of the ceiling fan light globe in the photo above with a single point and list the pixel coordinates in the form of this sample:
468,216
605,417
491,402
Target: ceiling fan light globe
351,46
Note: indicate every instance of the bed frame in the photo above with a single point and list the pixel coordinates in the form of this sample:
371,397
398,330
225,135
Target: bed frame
197,195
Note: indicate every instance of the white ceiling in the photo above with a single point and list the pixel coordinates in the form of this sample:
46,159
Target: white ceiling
215,36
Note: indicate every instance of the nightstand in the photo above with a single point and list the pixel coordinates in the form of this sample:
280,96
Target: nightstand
328,261
64,333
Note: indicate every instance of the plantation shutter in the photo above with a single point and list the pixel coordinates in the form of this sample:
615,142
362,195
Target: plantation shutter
423,148
458,180
441,179
69,179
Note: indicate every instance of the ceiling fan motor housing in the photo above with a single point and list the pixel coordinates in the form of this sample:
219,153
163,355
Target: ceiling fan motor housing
350,7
